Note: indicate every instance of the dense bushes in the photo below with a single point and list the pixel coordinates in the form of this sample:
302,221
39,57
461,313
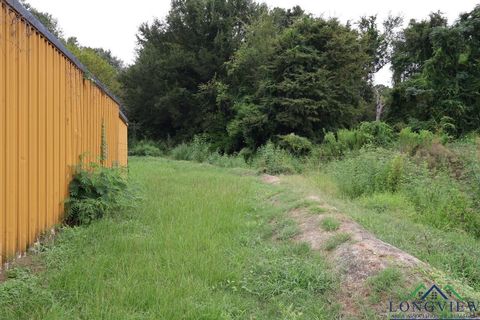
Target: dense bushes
275,160
439,200
367,133
296,145
373,170
145,148
96,191
269,158
410,141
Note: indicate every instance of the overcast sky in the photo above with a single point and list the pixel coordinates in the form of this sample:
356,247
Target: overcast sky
112,24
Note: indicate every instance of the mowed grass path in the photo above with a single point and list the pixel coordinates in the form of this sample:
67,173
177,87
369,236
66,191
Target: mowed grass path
198,246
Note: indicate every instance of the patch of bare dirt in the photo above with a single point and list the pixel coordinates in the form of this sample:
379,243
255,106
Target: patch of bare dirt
29,260
266,178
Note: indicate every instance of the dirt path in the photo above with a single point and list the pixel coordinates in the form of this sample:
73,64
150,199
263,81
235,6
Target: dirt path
357,255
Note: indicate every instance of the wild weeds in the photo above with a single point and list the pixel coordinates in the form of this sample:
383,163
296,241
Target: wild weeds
96,191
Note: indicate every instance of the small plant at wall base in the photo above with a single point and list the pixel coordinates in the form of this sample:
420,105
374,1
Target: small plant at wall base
95,192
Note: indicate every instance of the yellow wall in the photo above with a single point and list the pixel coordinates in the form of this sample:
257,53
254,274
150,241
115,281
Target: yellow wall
49,116
123,144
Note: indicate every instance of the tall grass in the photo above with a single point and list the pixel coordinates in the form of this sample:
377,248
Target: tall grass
439,200
197,247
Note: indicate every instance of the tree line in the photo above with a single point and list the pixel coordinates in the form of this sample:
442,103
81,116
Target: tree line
240,73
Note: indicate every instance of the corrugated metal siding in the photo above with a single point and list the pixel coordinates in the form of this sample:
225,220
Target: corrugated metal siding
49,116
123,144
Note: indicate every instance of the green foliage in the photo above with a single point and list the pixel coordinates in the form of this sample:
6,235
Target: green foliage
21,293
410,141
172,88
330,224
372,170
147,148
103,145
436,74
243,84
437,198
49,21
274,160
296,145
336,240
95,192
97,64
303,89
198,150
387,281
330,147
440,202
374,133
377,133
273,275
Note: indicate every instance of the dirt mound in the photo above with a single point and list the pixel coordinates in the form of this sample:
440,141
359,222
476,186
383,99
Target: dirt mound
356,255
355,260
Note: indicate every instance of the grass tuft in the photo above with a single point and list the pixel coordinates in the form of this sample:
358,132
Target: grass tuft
330,224
336,240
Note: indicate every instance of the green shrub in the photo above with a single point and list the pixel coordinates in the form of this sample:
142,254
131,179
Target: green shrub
96,191
376,133
371,171
330,148
437,198
200,149
197,150
296,145
274,160
410,141
226,161
247,154
145,148
349,140
181,152
367,133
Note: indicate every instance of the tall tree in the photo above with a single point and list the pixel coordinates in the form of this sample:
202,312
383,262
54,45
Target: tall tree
179,55
438,74
97,64
312,81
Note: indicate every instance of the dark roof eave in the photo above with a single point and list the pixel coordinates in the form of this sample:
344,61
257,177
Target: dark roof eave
17,6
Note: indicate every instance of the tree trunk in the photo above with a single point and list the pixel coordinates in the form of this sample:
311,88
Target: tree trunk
380,106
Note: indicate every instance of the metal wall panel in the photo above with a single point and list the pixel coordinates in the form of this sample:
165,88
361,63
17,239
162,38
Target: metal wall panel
50,116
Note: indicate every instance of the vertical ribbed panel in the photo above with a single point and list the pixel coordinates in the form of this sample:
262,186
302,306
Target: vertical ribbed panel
49,116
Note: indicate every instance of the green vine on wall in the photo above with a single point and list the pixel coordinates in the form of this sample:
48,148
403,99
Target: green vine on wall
103,145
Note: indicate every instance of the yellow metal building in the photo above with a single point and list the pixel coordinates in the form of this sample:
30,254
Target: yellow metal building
50,114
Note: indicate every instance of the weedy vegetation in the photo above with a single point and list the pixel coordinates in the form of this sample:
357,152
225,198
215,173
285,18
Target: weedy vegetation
337,239
330,224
